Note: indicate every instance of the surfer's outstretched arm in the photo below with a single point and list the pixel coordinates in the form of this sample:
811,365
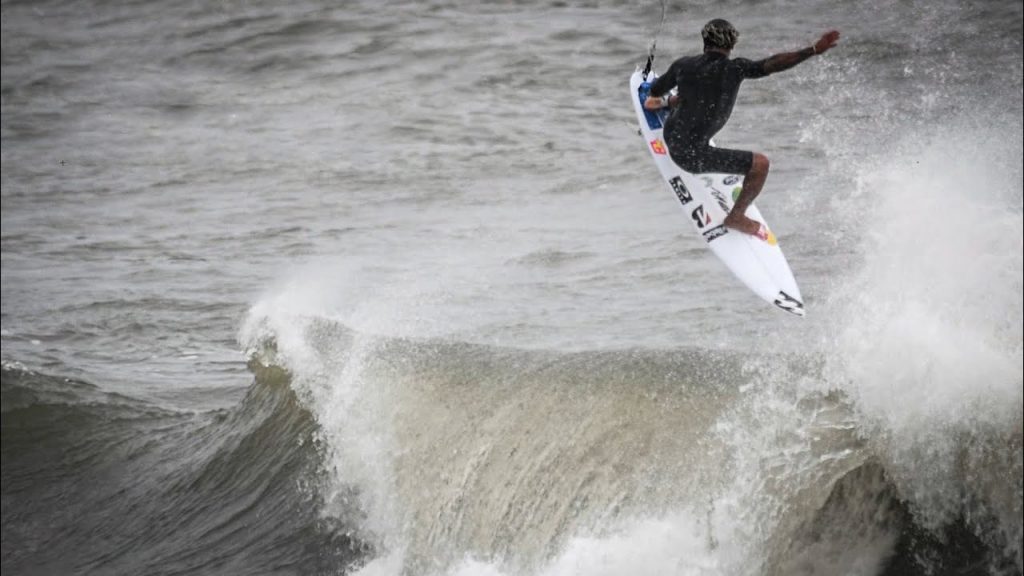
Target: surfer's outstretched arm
787,60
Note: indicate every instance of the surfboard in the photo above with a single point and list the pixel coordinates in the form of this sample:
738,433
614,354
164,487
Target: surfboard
706,199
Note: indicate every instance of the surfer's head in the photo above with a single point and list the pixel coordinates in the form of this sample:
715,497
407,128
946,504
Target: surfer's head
719,34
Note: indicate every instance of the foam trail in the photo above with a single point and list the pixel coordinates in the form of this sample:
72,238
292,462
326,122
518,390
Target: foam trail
929,346
934,317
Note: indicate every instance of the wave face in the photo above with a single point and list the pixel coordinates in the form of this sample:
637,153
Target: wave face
99,483
471,459
380,455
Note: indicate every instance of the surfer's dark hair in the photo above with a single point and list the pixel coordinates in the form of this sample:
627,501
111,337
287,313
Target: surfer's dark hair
720,34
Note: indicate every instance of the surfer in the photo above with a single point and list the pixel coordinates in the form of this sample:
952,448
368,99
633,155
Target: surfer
707,86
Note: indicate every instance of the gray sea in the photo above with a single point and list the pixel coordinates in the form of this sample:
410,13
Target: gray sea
393,288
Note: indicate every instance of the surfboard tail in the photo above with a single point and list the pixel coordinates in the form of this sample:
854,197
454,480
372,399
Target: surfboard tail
789,304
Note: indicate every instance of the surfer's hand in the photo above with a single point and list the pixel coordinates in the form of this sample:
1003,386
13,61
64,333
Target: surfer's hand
827,41
656,102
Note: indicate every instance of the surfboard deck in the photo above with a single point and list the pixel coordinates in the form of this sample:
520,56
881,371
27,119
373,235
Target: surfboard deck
706,199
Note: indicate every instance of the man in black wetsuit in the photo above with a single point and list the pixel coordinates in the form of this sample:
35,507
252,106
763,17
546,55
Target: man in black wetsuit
708,84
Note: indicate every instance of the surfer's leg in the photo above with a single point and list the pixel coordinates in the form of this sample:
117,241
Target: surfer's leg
752,184
699,157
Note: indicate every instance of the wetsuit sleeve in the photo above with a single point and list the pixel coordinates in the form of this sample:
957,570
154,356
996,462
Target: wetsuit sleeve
750,68
665,82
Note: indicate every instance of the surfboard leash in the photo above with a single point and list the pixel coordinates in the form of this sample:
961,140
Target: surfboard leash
654,42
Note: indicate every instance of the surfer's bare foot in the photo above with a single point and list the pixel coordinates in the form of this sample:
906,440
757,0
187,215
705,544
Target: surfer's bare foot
743,224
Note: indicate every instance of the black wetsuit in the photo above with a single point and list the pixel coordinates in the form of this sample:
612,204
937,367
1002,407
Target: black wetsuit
707,91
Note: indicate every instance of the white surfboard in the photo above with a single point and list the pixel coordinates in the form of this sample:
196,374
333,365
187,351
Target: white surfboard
706,199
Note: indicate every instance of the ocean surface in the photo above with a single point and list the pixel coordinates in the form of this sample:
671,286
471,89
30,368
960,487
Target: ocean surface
393,288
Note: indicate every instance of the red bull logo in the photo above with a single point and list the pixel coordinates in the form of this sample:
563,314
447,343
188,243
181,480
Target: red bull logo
658,146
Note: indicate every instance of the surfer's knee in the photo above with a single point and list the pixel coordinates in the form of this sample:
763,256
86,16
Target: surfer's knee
760,164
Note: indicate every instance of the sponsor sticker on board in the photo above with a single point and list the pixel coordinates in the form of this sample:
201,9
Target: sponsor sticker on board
680,189
720,198
700,216
658,146
789,304
715,233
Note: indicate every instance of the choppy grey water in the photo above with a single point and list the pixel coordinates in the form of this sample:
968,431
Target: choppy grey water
388,288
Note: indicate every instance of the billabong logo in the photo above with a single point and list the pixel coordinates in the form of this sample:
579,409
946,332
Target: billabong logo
715,233
730,180
680,189
789,304
658,146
